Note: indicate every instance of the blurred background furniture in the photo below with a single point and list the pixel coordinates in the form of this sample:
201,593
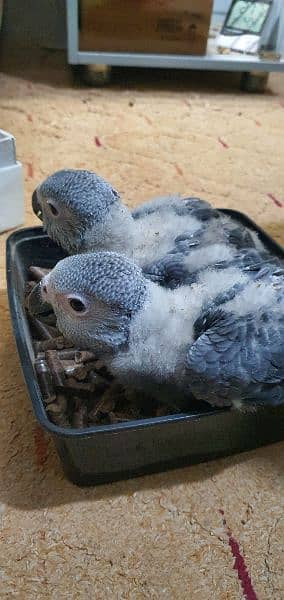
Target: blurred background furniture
54,24
96,64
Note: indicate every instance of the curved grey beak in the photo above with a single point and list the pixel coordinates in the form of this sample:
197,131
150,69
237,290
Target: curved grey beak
35,304
36,206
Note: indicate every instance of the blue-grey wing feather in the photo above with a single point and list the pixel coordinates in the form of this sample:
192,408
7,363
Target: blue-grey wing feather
172,270
229,362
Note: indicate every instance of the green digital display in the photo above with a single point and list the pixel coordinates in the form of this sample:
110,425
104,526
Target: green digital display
247,16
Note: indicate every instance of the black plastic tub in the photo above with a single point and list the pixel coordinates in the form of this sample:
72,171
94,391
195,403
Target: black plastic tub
107,453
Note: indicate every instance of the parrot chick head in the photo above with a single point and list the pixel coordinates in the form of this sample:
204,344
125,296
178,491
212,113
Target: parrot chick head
94,297
74,206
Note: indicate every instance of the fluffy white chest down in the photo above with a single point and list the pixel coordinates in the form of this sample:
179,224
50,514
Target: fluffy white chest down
154,235
162,330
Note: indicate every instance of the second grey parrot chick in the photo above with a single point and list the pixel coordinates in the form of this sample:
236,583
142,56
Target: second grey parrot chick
83,213
220,339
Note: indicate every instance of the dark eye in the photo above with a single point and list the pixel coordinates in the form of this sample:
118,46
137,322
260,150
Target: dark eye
77,305
115,193
53,209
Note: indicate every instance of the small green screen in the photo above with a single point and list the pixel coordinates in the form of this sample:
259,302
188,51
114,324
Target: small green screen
248,16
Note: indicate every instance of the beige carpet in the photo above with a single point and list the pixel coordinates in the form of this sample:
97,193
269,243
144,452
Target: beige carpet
162,536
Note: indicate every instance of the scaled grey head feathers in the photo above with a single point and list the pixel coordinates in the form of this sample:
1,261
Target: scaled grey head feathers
106,289
70,202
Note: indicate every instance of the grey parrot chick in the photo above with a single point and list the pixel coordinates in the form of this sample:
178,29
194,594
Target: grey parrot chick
83,213
221,339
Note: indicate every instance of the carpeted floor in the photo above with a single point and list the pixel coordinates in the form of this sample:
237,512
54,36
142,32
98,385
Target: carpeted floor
203,532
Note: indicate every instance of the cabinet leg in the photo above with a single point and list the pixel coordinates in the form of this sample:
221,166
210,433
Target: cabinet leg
254,81
94,75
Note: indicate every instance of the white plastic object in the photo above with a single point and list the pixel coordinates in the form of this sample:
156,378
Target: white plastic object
11,184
